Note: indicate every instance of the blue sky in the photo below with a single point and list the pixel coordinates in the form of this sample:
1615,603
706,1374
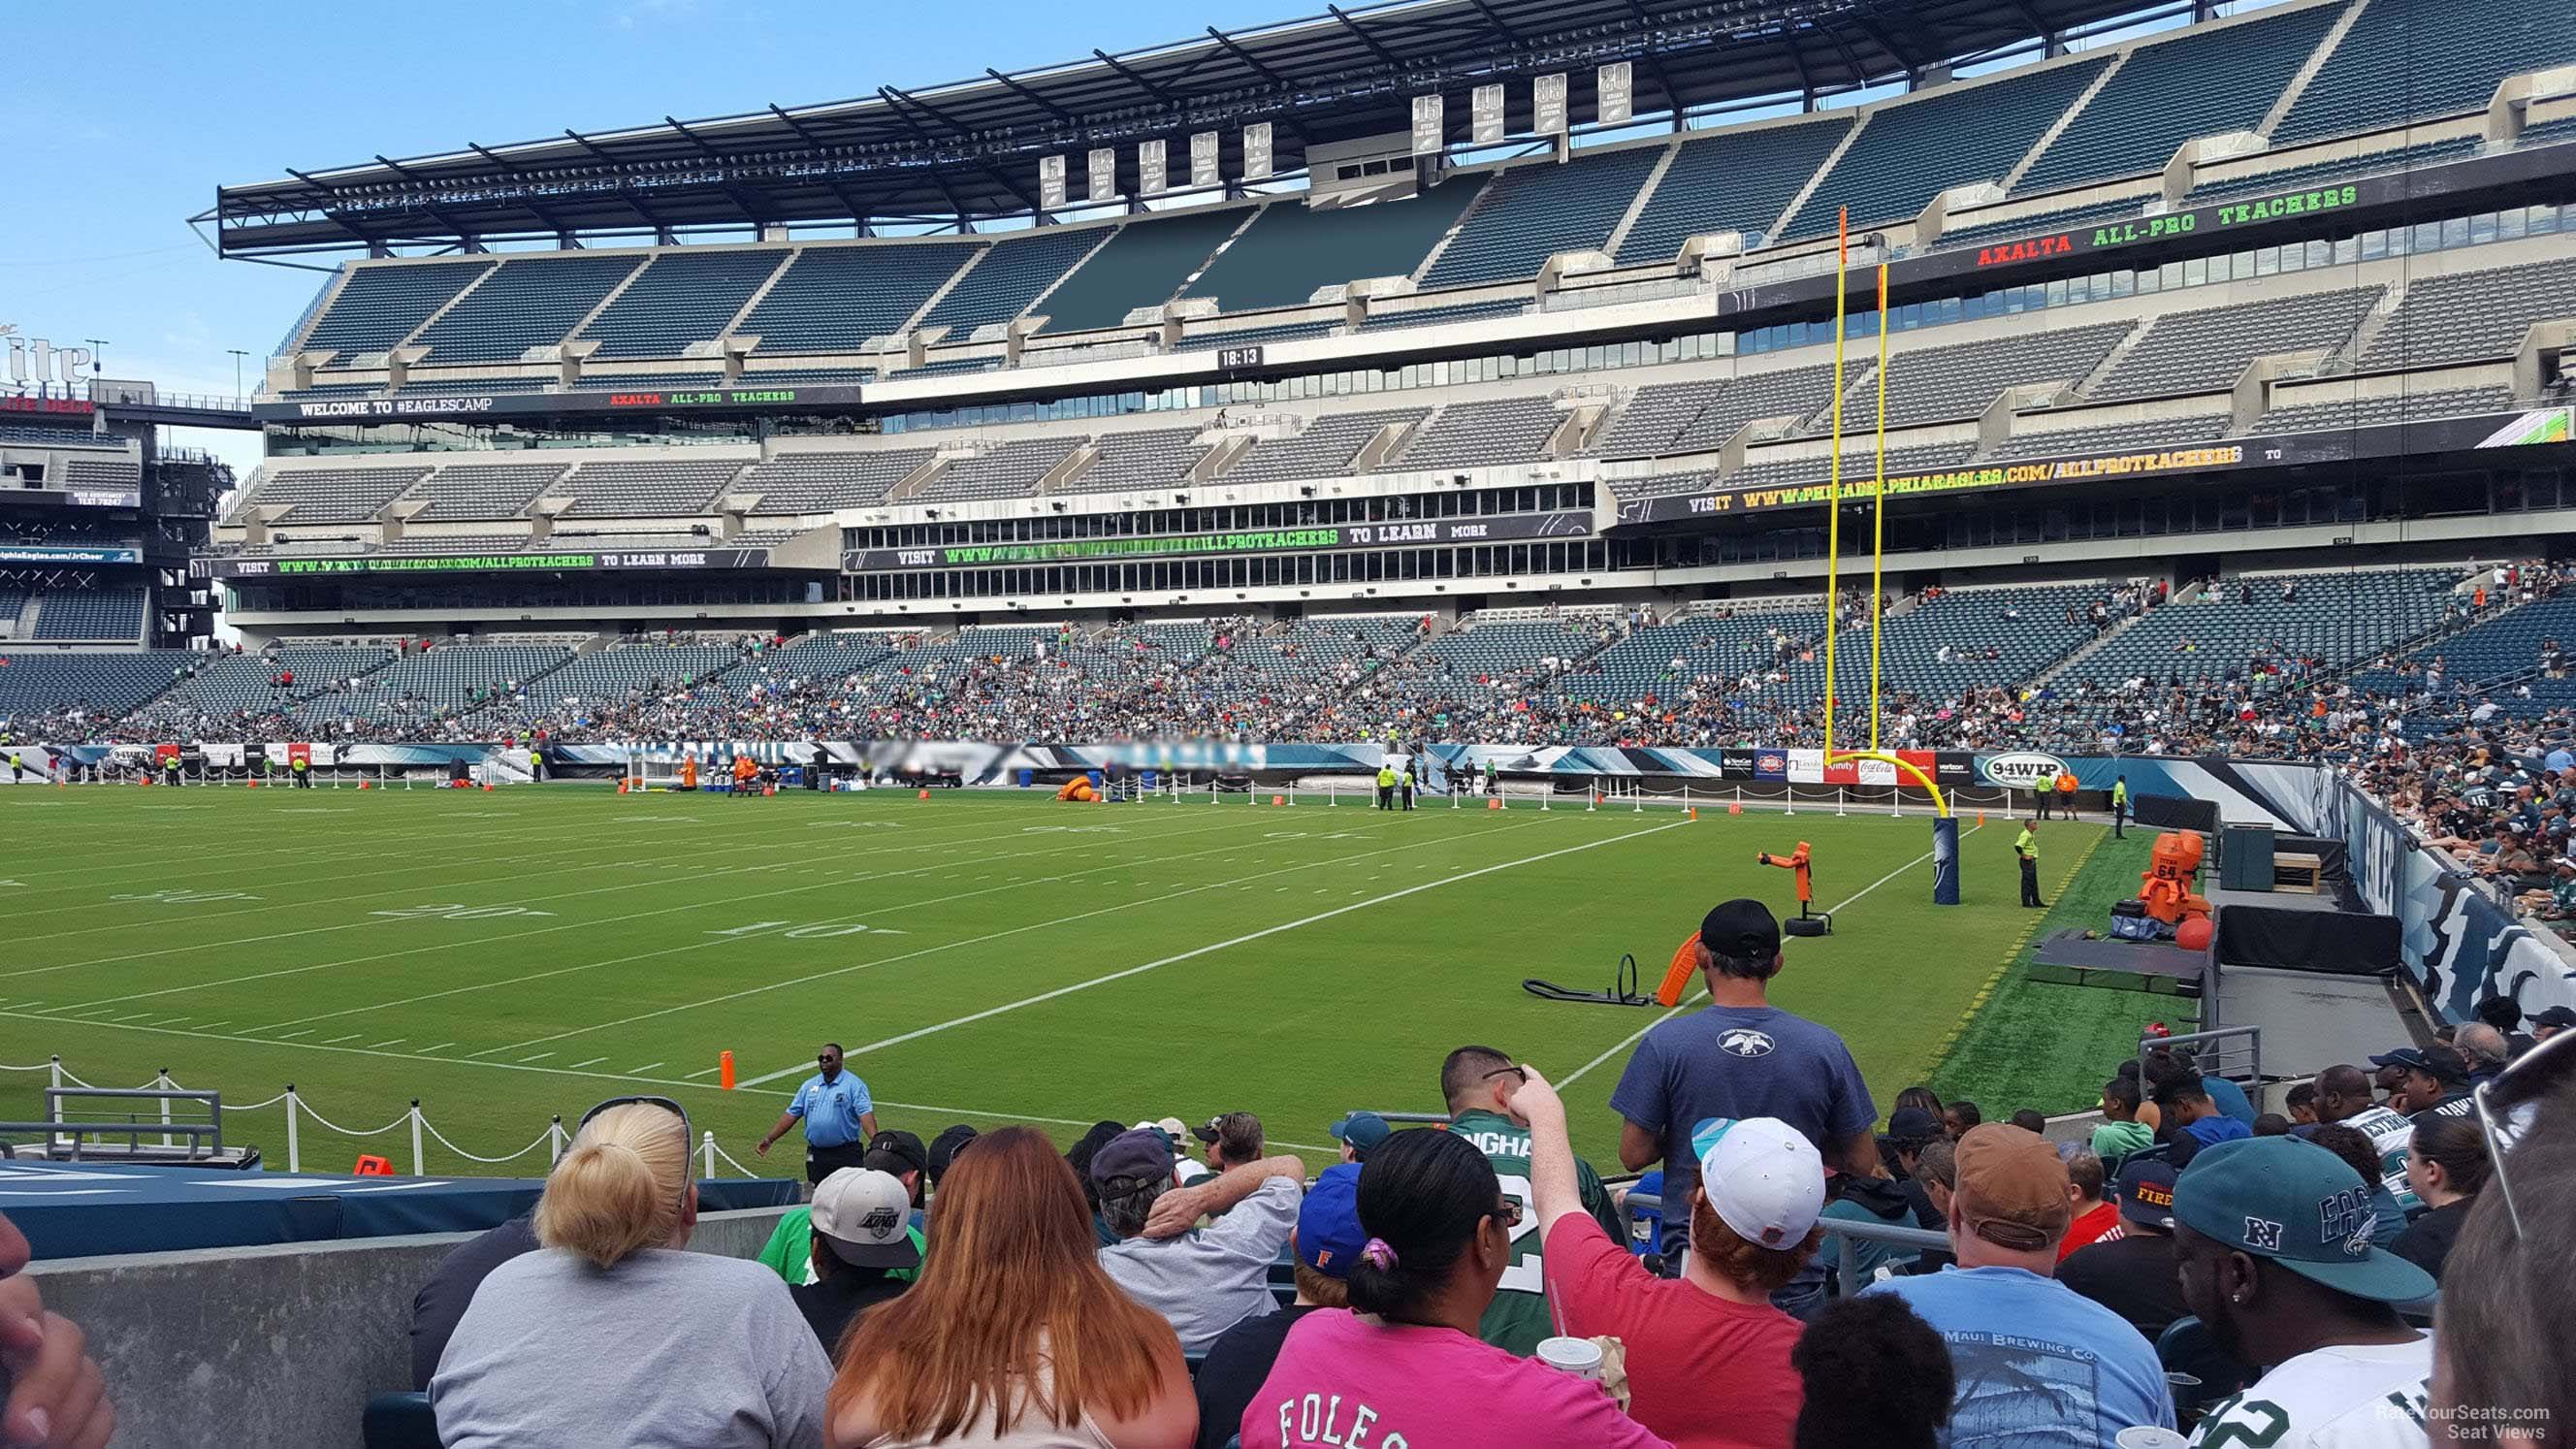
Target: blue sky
118,140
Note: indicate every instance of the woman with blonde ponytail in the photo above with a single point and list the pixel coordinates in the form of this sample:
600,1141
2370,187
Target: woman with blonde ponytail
610,1334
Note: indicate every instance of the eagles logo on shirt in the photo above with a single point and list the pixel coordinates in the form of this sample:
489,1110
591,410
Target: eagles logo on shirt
1745,1042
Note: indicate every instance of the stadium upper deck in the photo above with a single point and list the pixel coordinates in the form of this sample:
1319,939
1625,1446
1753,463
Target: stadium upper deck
2118,274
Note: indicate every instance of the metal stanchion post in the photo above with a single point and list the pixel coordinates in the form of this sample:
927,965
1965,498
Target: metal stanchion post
294,1153
419,1168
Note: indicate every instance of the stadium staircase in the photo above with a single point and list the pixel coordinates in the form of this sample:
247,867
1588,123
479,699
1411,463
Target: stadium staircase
2307,73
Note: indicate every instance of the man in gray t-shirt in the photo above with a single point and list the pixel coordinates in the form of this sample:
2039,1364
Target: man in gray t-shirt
702,1350
1203,1280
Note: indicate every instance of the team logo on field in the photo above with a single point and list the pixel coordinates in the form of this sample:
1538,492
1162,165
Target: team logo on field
1743,1042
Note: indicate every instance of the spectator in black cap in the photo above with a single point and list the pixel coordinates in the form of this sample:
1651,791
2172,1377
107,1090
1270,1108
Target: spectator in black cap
2130,1269
1232,1139
2505,1015
901,1156
1742,1057
944,1149
2428,1079
1079,1156
2550,1022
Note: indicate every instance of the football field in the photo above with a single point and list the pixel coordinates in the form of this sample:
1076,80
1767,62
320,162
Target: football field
985,958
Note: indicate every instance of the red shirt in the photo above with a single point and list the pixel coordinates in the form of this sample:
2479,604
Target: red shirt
2087,1228
1702,1372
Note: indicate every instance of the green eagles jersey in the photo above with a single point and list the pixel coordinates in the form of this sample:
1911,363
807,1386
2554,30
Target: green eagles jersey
1518,1317
788,1253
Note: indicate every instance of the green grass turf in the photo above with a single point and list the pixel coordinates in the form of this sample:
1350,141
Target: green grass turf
1021,960
2049,1045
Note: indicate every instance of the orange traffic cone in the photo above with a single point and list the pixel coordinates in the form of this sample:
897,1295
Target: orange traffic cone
724,1070
362,784
1694,812
1736,808
622,783
1278,799
372,1166
925,794
1493,804
487,788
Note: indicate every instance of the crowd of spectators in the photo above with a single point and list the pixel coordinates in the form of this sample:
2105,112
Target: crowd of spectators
991,1290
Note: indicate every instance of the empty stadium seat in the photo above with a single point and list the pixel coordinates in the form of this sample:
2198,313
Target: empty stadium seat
818,482
113,613
381,305
655,489
2113,438
1793,392
1428,316
1154,458
1937,384
328,495
1655,416
1480,434
683,297
2206,350
1009,277
2200,83
530,302
481,490
1860,464
109,684
2340,618
2347,168
1142,266
2471,316
1326,449
1737,180
2365,412
1293,249
1532,211
833,299
2404,59
1009,471
1909,151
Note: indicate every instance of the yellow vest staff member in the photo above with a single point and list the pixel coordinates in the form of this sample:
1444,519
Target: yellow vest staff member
2026,850
1385,788
303,768
2120,808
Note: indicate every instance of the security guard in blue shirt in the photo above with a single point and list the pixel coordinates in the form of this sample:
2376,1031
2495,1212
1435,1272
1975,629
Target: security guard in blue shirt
839,1118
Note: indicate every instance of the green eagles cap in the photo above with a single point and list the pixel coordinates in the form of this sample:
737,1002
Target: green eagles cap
2291,1201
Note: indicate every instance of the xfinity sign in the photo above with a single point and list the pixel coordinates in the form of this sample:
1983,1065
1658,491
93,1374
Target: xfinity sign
2024,770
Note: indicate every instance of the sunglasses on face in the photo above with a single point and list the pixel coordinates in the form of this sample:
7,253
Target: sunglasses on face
1508,1213
2508,1104
1516,1073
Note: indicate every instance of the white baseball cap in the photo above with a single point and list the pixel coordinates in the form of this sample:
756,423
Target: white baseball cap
1762,1177
866,1216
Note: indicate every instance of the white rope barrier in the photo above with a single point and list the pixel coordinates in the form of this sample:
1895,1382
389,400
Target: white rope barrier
544,1139
38,1067
328,1125
727,1157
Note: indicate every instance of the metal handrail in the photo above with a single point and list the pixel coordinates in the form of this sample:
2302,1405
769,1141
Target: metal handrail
1834,1227
2217,1037
210,1131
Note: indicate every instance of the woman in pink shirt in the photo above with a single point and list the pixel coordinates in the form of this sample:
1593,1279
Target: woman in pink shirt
1403,1367
1708,1356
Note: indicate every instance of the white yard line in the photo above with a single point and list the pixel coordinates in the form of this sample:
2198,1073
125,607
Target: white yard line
1244,939
506,938
1585,1070
502,878
954,945
880,909
594,1061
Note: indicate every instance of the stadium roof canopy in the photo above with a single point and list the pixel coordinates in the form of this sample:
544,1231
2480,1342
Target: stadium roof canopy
969,150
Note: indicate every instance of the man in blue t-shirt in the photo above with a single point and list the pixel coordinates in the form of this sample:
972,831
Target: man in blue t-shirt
838,1114
2035,1362
1742,1057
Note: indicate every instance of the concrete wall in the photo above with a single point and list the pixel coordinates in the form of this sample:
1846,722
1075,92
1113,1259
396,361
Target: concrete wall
272,1346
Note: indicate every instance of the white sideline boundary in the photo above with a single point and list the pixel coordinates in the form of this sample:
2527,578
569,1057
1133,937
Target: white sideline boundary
1585,1070
1247,937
